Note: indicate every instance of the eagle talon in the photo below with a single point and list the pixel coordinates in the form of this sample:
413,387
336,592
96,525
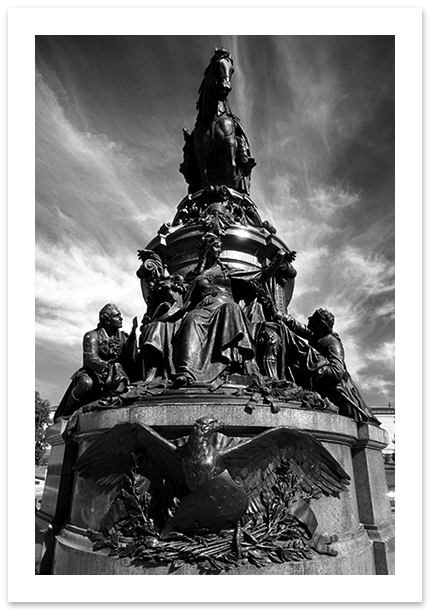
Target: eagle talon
199,531
320,544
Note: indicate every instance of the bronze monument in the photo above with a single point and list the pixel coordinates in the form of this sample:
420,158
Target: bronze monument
217,152
151,480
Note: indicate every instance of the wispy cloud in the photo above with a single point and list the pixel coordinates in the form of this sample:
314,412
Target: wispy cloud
70,293
88,184
108,137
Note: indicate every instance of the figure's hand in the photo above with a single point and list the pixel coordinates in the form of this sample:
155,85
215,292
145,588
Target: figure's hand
278,316
277,260
286,319
319,372
208,299
117,378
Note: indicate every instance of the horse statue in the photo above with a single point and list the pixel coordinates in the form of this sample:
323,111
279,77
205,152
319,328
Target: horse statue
217,151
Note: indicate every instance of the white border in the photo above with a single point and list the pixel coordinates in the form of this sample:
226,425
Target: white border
405,24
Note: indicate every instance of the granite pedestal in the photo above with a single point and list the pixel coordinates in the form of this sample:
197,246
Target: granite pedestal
360,517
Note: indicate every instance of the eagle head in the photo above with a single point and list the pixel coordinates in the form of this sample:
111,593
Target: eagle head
206,426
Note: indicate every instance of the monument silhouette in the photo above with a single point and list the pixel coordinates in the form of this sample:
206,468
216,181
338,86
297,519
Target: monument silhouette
224,436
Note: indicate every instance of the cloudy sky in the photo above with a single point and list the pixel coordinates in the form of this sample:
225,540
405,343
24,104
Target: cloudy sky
319,114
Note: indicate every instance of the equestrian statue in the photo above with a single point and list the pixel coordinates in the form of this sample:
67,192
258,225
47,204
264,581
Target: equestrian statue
217,151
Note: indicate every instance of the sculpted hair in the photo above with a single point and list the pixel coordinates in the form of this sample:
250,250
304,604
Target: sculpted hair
325,316
104,311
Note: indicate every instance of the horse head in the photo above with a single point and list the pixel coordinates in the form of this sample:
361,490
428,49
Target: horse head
216,83
223,71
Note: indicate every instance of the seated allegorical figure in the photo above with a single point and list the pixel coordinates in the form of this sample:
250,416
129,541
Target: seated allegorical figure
320,365
214,331
163,294
211,333
108,354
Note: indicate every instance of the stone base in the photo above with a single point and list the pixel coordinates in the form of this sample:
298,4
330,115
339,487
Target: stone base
363,546
74,556
383,539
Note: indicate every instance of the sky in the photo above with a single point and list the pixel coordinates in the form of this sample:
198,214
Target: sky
319,114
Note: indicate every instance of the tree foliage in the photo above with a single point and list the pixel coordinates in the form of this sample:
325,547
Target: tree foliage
42,420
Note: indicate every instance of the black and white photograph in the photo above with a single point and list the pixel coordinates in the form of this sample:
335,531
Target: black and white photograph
216,304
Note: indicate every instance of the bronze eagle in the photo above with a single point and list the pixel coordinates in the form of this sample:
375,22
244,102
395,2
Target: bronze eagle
217,479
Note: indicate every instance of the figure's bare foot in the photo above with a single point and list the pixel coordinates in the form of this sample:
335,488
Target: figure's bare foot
321,544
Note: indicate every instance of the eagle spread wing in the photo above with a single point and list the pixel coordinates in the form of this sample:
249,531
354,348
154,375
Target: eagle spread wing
254,462
112,455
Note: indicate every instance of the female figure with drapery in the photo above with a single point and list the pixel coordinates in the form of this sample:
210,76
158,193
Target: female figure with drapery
212,333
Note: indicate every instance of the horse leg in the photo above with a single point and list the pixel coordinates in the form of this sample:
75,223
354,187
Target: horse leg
225,134
232,150
201,144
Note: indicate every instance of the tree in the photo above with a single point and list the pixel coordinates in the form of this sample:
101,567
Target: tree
43,418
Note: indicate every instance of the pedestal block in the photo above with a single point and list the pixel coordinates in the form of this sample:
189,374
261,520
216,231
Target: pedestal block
74,556
57,495
360,533
373,504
